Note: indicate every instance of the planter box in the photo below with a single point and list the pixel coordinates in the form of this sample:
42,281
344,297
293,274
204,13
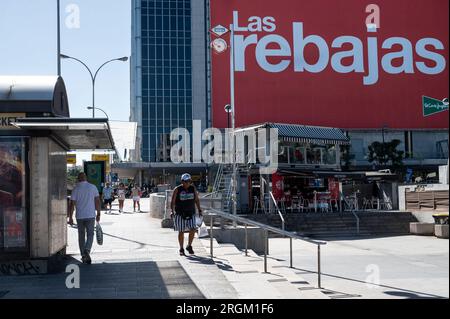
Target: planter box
441,231
423,229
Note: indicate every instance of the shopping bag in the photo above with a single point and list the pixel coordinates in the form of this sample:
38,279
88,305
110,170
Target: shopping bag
203,231
198,220
99,232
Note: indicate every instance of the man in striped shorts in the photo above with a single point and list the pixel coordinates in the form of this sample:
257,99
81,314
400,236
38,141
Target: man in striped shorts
184,200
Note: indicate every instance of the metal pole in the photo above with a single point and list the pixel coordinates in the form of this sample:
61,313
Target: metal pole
290,242
266,248
93,97
211,237
233,119
319,267
58,28
246,241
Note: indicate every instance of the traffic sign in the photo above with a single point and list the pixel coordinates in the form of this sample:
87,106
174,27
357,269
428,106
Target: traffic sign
219,30
432,106
219,45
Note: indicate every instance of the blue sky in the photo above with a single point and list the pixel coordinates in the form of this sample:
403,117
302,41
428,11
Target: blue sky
28,47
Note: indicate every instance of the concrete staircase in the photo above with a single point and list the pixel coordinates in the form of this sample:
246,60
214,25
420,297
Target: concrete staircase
245,274
320,225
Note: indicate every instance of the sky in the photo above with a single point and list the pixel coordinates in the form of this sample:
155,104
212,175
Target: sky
93,31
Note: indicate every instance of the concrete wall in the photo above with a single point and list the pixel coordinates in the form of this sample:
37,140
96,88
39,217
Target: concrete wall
199,100
236,236
443,174
157,202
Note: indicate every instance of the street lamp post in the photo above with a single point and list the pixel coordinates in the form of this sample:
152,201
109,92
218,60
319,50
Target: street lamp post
97,108
233,119
93,75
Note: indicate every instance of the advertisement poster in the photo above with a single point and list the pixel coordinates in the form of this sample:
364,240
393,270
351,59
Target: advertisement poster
324,63
12,194
95,172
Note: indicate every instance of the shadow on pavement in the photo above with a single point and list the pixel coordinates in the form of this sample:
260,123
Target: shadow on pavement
116,280
399,291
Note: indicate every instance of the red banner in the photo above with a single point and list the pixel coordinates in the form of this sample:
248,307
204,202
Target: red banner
344,64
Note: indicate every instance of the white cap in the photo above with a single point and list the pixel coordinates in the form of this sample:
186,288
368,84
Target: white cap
186,177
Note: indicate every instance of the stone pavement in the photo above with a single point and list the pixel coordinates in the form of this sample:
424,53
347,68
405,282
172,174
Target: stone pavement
404,267
139,259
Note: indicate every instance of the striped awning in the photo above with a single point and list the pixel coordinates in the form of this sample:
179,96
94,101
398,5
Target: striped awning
304,134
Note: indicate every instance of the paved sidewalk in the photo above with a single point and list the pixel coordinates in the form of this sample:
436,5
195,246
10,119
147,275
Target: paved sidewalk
402,267
139,259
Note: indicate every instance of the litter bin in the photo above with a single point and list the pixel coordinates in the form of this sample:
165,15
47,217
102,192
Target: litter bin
441,219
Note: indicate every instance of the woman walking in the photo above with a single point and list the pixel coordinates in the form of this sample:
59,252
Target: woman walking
121,192
136,192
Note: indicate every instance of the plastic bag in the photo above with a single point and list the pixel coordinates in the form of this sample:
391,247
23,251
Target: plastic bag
99,232
203,231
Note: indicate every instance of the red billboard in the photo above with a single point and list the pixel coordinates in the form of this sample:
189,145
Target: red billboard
346,64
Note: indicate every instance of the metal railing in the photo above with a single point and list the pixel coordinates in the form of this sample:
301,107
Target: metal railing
276,206
210,194
212,213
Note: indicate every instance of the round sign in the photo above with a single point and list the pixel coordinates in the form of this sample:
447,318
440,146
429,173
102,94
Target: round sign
219,45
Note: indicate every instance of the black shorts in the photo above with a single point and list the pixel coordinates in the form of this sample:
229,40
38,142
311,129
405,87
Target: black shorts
107,201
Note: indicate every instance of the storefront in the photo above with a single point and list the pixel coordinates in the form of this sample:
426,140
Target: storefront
35,136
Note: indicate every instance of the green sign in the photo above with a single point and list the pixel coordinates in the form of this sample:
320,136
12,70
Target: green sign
95,173
432,106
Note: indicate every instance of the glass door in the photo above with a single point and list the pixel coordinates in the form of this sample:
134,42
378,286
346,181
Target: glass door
13,195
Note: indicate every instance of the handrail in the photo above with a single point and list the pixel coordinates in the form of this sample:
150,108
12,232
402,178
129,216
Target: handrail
267,229
353,211
278,210
276,206
218,177
210,194
272,229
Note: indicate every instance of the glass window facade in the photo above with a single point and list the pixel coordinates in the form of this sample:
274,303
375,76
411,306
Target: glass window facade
166,71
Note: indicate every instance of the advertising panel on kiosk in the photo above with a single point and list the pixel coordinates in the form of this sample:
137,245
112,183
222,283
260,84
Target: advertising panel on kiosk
344,64
95,173
13,228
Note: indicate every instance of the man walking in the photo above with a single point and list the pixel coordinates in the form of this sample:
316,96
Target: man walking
85,198
108,197
184,200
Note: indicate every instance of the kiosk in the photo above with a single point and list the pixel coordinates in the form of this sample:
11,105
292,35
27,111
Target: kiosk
36,133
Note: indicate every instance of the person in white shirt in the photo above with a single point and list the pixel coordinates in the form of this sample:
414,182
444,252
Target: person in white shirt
121,192
86,200
136,192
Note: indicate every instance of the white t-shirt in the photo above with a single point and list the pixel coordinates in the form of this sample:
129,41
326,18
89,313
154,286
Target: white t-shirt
121,193
84,195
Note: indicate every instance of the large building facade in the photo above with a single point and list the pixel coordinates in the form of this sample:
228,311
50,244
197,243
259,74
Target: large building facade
168,72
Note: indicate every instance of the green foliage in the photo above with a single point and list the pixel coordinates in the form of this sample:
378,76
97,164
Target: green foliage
72,174
346,156
386,154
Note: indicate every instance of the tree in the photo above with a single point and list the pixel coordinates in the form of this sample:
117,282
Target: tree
384,154
72,174
347,157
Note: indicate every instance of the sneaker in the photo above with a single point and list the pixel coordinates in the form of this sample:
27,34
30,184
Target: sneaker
190,250
87,258
182,252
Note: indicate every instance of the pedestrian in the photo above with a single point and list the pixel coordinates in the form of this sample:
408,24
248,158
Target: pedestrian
136,192
85,200
184,200
121,193
108,197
